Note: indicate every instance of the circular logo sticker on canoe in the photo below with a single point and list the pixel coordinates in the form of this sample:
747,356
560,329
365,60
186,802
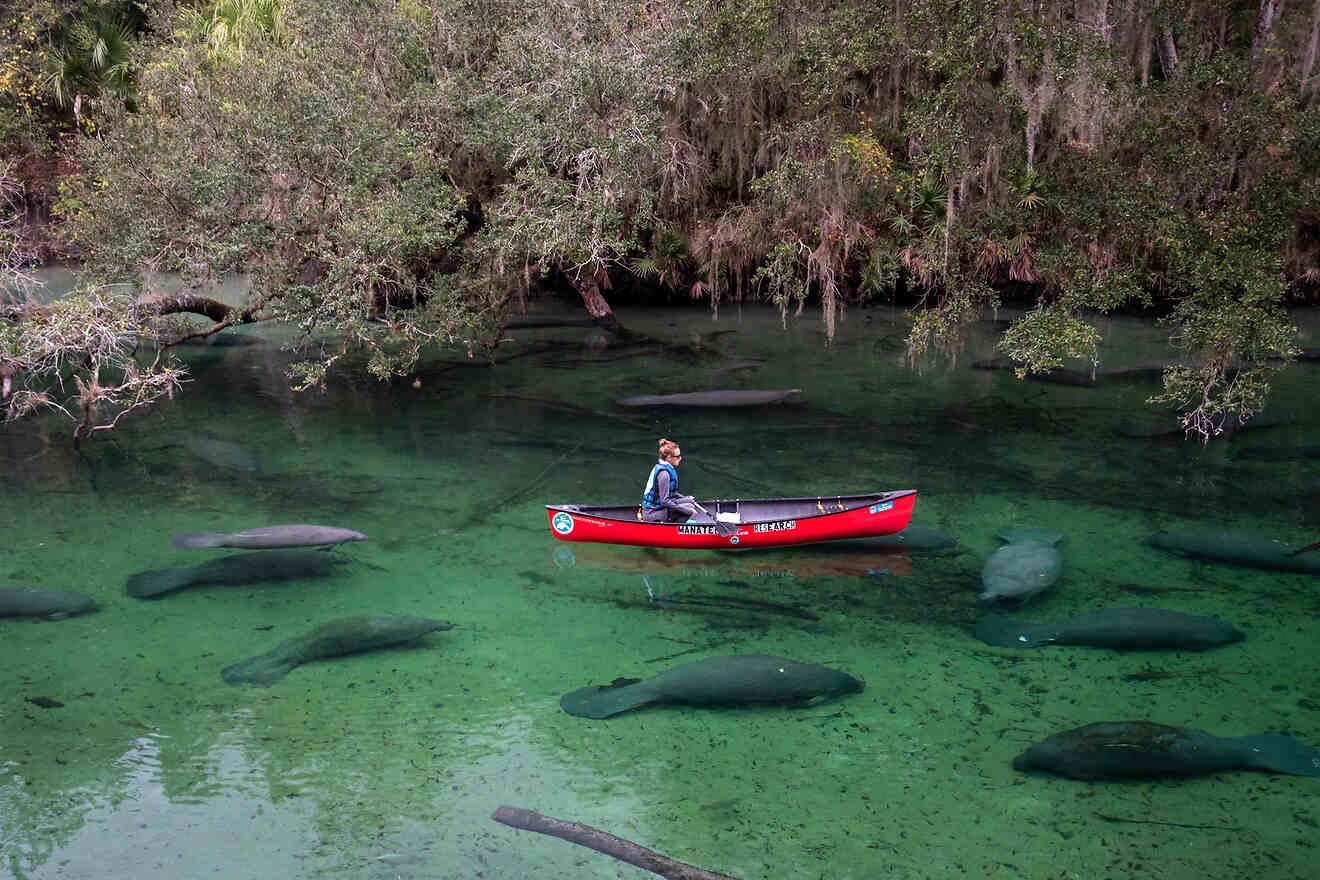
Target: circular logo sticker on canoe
733,540
561,523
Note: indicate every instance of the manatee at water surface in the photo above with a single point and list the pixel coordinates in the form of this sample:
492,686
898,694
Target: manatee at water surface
738,680
50,604
1123,629
1023,568
347,635
239,569
1238,548
1143,749
270,537
728,397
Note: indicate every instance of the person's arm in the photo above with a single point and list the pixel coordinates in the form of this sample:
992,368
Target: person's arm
664,492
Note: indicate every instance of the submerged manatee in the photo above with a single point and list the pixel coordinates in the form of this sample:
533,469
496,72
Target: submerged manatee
270,537
221,453
1123,629
239,569
914,539
50,604
348,635
1237,548
1142,749
740,680
1023,568
728,397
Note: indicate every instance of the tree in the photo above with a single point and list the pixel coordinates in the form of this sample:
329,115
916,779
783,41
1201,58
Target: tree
390,174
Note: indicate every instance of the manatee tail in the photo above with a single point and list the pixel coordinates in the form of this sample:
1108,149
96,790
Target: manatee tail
1277,753
1004,632
262,671
146,584
602,702
194,540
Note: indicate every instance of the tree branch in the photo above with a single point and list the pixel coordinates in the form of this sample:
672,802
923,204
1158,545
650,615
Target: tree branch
604,842
176,303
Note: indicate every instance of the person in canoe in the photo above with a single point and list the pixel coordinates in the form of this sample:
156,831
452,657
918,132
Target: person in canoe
660,499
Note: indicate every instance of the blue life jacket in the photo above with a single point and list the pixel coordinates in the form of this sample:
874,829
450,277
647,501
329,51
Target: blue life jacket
649,500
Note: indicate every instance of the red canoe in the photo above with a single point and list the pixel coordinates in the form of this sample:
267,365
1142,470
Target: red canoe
747,522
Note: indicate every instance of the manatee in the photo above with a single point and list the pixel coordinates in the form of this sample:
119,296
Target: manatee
50,604
1237,548
734,366
1023,568
224,340
1143,749
239,569
1123,629
718,681
347,635
220,453
1059,375
1277,453
914,539
1173,425
1027,534
728,397
270,537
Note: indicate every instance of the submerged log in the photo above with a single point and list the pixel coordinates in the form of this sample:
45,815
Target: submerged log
604,842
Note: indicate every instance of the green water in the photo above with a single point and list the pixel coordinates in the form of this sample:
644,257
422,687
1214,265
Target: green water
388,764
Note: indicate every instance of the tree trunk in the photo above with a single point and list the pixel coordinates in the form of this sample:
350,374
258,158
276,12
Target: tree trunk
1264,36
1312,48
948,218
1145,48
175,303
589,289
1168,51
1264,56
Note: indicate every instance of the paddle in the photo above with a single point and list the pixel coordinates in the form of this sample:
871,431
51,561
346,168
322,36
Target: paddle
722,529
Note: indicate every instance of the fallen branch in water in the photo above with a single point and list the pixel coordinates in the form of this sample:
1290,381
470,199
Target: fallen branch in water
604,842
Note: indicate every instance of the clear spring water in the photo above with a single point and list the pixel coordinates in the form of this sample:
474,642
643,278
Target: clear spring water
388,764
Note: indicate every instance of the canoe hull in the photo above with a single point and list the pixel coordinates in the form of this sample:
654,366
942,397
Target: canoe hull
763,522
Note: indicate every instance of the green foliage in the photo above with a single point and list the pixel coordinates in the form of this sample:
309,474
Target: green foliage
781,277
667,260
24,107
296,166
1042,338
389,172
95,56
229,27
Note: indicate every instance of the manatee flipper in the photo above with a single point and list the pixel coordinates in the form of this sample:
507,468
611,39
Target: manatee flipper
1004,632
1280,754
194,540
263,670
594,701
